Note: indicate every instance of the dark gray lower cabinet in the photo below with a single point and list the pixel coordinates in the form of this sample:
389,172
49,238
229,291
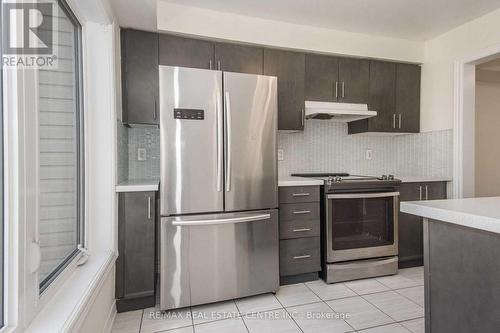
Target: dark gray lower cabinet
410,229
300,256
135,266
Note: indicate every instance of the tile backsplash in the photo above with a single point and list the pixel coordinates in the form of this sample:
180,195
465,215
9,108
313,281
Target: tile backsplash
134,138
121,152
322,147
326,147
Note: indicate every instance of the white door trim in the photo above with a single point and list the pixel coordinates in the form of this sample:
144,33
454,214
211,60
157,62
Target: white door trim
463,122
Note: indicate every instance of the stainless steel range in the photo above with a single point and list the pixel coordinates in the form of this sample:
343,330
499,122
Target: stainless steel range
359,225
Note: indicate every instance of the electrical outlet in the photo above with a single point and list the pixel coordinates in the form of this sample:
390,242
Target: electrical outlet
141,154
368,154
281,153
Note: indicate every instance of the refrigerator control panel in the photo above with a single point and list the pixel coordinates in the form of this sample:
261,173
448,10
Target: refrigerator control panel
190,114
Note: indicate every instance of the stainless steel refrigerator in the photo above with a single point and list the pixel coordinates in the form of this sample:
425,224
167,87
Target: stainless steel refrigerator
219,224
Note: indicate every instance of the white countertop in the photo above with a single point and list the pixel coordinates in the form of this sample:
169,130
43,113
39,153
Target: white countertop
138,185
298,181
478,213
302,181
422,179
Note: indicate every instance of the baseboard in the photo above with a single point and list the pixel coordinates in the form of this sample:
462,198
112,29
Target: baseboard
292,279
138,303
413,261
111,318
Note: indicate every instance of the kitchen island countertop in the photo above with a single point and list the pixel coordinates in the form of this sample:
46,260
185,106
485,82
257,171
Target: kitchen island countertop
477,213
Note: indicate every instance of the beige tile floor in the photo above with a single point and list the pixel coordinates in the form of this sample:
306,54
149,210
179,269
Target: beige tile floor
392,304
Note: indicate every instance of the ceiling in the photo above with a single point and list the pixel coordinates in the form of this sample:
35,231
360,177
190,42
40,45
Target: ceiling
138,14
410,19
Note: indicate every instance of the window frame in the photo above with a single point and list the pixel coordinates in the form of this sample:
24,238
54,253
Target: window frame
80,161
2,210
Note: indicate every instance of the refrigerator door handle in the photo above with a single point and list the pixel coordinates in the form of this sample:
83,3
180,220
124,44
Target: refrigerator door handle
220,162
228,142
231,220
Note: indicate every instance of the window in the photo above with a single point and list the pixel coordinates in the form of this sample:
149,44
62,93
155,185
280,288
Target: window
60,150
1,187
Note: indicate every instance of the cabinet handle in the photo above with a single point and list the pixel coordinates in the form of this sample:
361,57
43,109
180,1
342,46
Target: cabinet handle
426,192
420,192
299,212
303,116
343,89
305,194
301,230
336,90
394,121
218,65
154,109
149,208
400,116
305,256
210,64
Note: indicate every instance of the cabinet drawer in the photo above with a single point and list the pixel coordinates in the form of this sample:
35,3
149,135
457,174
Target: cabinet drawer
299,211
299,228
298,256
295,194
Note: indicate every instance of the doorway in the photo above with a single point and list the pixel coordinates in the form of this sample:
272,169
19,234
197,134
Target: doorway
464,143
487,129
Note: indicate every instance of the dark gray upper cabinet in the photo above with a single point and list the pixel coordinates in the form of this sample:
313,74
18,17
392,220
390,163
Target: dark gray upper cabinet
408,98
381,98
394,92
333,79
321,78
139,77
354,76
289,67
239,58
135,267
186,52
382,95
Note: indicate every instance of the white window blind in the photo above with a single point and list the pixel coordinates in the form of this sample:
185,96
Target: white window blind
60,155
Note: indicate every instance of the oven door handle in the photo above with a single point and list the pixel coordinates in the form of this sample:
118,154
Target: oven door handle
362,195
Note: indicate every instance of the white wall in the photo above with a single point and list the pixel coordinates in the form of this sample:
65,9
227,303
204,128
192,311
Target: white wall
102,311
487,149
100,134
438,69
214,24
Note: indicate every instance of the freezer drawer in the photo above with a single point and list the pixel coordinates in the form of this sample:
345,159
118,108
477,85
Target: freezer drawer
210,258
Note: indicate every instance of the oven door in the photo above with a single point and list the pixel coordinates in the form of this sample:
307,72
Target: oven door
361,225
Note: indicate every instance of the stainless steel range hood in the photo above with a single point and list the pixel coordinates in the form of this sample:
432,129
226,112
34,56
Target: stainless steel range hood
340,112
